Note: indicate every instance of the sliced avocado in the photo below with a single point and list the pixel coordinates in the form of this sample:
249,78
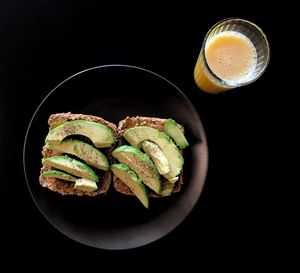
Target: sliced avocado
167,188
174,179
136,135
99,134
130,178
71,166
57,123
60,175
84,151
157,156
84,184
141,164
173,130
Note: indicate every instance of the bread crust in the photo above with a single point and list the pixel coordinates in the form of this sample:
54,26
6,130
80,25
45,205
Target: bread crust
66,187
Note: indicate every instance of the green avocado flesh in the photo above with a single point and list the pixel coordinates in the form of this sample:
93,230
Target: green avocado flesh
136,135
173,130
141,164
157,156
84,184
129,177
82,150
59,174
71,166
167,188
99,134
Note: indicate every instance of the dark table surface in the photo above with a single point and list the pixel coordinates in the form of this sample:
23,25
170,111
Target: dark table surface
250,131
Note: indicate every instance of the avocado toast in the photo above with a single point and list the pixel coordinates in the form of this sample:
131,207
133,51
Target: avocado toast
77,154
148,134
84,153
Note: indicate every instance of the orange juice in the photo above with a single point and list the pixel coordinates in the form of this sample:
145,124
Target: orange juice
232,59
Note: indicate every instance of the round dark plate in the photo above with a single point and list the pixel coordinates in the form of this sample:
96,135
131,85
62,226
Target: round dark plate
113,220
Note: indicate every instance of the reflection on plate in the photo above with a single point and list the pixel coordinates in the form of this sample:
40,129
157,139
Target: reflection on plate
116,221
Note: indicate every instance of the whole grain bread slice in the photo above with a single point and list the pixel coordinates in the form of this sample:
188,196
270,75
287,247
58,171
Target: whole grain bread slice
65,187
129,122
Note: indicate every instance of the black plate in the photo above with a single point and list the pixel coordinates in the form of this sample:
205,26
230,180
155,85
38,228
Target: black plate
116,221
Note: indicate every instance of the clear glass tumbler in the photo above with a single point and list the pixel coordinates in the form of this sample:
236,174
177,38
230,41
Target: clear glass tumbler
235,52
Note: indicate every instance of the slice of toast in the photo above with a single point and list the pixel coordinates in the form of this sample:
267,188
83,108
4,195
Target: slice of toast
66,187
129,122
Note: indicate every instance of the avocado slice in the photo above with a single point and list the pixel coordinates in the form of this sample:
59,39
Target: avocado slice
141,164
70,165
136,135
167,188
59,174
98,133
173,130
157,156
130,178
84,151
174,179
84,184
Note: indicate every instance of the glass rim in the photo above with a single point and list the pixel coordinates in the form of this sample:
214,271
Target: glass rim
225,83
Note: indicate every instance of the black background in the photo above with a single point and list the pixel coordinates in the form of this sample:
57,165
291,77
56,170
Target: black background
242,217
